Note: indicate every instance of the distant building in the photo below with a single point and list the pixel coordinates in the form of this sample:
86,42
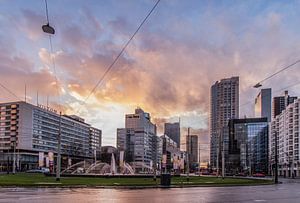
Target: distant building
126,143
138,140
285,126
159,151
248,146
280,102
106,154
192,147
95,141
224,105
172,130
263,102
172,153
33,132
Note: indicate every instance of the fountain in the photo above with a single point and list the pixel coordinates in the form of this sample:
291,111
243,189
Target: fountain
113,168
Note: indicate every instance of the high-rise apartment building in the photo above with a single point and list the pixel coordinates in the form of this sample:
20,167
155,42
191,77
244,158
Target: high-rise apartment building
280,102
224,105
172,130
263,102
138,140
285,127
32,130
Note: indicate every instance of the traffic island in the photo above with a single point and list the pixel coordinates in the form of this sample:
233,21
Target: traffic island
40,180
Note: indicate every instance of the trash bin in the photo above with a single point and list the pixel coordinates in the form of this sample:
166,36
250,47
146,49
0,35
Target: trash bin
165,179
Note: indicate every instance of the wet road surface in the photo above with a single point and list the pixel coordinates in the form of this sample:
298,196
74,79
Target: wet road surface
289,191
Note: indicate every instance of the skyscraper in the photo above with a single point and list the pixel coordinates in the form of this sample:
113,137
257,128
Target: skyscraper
224,105
263,104
138,139
192,149
279,103
172,130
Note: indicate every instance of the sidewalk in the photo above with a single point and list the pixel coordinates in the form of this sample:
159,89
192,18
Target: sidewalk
290,180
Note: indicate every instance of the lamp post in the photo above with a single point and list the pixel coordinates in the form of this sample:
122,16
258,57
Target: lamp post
58,163
276,159
188,157
14,158
258,85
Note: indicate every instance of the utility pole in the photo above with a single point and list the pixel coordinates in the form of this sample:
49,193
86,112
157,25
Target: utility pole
276,159
187,156
154,171
14,158
218,151
199,159
95,155
7,166
223,157
58,163
155,161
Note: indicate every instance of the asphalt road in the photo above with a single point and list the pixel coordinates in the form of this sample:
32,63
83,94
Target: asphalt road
288,191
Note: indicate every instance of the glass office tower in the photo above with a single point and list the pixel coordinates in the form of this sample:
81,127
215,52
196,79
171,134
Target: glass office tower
248,145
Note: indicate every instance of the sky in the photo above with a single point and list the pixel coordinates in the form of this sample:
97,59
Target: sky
168,68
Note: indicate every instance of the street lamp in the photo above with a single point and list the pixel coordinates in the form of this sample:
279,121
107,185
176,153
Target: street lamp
48,29
188,157
14,158
58,163
257,85
276,147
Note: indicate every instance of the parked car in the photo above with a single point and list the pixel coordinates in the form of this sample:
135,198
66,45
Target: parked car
213,173
241,174
40,170
205,173
261,175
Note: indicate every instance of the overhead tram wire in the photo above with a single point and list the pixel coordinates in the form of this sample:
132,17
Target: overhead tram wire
272,75
47,16
120,54
279,71
51,31
9,91
51,54
278,90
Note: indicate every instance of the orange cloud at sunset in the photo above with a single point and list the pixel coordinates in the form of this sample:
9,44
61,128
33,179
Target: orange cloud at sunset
167,69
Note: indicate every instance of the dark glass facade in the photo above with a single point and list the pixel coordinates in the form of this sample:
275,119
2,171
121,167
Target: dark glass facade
248,146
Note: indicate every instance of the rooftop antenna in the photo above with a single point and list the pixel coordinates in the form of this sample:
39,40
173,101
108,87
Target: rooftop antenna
37,98
47,101
25,92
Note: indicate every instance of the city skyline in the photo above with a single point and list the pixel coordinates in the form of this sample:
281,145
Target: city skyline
149,101
167,69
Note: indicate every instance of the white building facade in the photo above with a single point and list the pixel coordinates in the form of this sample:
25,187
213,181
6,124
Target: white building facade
285,127
31,130
138,140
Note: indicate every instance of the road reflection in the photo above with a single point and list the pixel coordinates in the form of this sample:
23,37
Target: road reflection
270,193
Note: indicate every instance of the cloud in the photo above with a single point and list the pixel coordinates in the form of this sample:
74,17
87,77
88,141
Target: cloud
31,24
167,69
18,70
